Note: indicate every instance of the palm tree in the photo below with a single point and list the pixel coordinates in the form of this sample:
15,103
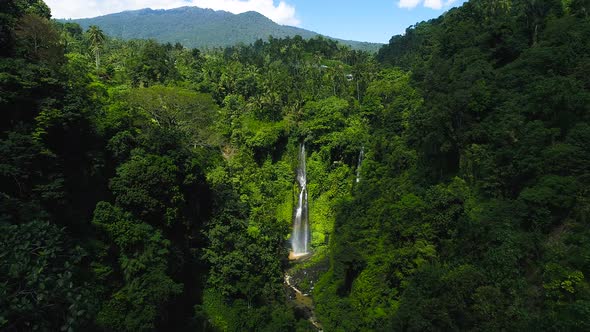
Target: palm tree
96,38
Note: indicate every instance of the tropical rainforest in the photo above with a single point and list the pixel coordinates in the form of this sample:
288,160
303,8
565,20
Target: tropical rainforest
148,186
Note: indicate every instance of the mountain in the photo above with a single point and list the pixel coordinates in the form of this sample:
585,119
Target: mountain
201,28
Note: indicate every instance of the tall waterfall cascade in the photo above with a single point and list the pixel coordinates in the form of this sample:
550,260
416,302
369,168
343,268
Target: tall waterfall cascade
301,235
360,163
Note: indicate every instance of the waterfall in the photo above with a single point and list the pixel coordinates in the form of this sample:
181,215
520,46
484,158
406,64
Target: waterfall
358,166
301,233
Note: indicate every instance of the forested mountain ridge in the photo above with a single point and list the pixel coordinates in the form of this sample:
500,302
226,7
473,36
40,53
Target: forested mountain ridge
148,186
201,28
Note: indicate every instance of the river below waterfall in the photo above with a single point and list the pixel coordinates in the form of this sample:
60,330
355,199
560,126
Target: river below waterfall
300,281
303,303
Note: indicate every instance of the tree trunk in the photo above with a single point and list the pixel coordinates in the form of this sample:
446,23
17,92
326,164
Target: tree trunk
97,55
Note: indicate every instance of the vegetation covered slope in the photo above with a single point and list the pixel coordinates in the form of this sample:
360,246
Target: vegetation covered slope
474,210
200,28
145,186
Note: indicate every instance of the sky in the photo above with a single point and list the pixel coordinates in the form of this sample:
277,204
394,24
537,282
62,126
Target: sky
368,20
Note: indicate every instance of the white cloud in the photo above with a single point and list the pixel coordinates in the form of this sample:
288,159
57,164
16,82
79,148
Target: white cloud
281,13
432,4
408,3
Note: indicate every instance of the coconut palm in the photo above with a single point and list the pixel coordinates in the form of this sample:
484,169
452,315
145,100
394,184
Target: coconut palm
96,38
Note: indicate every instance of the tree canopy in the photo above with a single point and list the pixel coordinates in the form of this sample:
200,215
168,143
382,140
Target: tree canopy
148,186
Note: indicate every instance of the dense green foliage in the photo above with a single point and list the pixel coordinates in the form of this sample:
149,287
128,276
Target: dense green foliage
146,186
201,28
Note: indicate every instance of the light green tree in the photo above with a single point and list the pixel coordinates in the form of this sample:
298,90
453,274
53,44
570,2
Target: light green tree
96,38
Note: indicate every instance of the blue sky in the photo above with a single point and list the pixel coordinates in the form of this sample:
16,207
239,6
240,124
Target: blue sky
370,20
374,20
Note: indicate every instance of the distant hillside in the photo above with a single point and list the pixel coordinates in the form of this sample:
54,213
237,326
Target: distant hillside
201,28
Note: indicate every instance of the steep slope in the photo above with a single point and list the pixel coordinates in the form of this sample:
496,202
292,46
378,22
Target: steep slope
472,212
200,28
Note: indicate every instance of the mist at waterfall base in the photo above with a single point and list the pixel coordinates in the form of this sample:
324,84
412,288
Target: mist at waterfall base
300,238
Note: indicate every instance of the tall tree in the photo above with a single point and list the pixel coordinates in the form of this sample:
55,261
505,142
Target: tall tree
96,38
